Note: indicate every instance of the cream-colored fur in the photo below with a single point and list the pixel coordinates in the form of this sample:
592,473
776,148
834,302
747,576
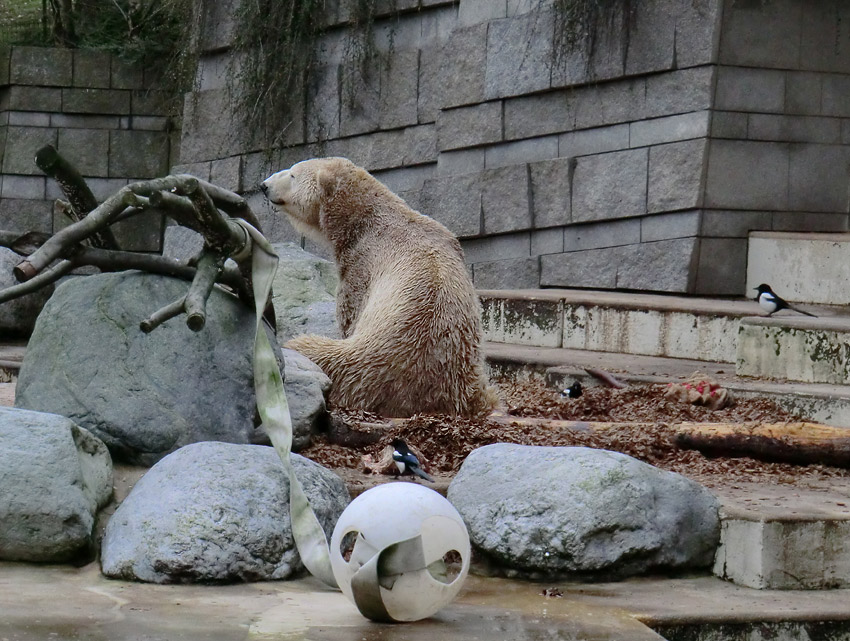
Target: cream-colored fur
406,306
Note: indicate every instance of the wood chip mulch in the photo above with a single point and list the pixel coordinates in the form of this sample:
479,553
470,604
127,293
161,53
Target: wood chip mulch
444,442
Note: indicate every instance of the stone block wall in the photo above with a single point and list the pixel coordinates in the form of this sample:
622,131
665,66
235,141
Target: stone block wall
639,163
100,113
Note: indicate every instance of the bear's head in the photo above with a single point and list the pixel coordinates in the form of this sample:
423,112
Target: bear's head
300,191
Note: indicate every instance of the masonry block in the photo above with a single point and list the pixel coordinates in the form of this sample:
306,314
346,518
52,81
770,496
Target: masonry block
323,103
91,69
20,148
809,221
734,223
521,151
84,121
150,102
836,95
824,45
227,173
406,178
582,63
504,246
669,129
757,34
595,268
126,75
818,178
399,90
609,186
20,215
803,93
729,124
44,66
454,201
203,138
676,176
551,182
609,233
538,115
140,154
679,91
420,145
663,266
726,276
87,149
504,199
27,119
219,24
22,187
453,73
747,175
96,101
680,224
34,98
610,103
652,37
547,241
386,150
759,90
472,12
519,273
794,128
142,233
197,169
469,126
697,32
360,100
519,55
594,141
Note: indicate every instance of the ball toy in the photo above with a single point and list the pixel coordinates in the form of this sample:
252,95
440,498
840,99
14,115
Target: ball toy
403,544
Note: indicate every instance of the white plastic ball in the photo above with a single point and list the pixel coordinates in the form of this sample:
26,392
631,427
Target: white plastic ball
410,582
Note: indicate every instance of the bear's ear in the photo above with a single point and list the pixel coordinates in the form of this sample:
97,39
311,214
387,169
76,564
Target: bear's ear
327,182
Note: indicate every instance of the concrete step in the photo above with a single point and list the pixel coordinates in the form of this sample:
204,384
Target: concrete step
624,323
813,350
558,367
801,267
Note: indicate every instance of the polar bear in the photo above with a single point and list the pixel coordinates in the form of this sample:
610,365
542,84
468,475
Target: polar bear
406,306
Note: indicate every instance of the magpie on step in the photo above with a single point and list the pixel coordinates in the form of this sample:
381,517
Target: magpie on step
406,461
771,302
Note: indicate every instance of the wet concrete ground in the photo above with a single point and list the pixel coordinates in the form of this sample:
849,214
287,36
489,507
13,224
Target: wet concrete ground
60,603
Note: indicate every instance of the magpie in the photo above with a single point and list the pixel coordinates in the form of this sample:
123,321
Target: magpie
772,303
406,461
573,391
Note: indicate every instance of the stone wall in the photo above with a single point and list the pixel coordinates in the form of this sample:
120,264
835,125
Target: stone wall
641,163
99,113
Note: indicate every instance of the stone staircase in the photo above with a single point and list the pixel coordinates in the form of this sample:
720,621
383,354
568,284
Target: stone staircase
801,363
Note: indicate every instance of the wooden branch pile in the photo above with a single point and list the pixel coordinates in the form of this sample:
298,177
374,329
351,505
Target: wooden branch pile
201,206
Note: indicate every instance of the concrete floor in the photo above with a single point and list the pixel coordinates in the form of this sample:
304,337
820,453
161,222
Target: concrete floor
57,603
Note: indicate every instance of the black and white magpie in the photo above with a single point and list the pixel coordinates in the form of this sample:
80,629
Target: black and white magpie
573,391
772,303
406,461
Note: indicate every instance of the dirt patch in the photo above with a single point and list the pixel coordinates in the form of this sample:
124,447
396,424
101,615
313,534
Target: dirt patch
445,442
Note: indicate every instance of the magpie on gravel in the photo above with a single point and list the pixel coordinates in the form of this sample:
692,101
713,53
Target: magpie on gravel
573,391
406,461
772,303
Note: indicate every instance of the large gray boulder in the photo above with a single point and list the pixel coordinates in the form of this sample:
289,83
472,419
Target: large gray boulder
306,387
144,395
216,512
54,476
304,294
17,317
546,512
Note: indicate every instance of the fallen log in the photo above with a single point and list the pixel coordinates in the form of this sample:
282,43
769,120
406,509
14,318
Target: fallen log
800,443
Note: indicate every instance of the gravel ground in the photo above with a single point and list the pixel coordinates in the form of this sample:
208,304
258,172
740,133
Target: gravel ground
646,433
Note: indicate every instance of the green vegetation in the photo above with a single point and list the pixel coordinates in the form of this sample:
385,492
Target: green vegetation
21,22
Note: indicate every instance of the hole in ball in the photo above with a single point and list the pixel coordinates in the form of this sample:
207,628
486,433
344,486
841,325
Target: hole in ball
346,545
447,569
